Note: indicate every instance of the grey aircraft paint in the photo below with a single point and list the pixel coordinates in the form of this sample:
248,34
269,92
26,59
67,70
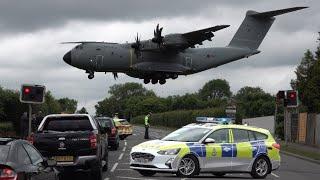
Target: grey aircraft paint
167,57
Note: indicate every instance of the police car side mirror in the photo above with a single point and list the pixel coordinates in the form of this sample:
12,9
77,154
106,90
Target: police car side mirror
209,140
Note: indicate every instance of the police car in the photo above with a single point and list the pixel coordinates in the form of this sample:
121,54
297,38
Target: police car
210,148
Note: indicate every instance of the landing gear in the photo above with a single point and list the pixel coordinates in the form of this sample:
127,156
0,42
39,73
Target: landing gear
91,74
162,81
146,81
174,76
154,81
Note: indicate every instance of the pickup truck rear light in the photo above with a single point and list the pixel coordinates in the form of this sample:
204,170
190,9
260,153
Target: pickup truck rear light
31,138
93,141
7,174
276,145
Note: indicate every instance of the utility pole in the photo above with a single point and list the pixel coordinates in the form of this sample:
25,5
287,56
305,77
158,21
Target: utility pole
30,119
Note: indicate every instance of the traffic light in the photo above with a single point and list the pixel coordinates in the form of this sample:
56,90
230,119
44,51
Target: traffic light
32,94
292,98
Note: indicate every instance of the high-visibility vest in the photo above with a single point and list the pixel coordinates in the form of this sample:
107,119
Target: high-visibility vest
146,120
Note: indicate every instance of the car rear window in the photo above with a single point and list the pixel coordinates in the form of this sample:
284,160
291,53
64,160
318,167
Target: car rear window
123,122
77,123
4,151
106,122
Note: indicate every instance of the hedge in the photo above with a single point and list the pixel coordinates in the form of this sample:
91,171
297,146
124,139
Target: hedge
6,129
178,118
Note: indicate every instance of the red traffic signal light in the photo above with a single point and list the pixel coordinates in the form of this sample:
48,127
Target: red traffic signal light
292,98
26,90
32,94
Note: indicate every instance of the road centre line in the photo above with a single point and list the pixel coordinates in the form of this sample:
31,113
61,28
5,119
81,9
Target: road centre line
121,156
106,178
124,148
114,167
273,174
125,143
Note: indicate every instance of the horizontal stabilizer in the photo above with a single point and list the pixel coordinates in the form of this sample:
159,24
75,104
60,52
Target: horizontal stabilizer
270,14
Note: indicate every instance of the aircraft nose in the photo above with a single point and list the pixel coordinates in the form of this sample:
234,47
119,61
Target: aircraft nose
67,57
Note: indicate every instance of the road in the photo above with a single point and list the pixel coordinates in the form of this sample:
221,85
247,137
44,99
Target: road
291,168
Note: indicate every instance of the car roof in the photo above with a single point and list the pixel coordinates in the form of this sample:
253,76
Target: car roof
220,126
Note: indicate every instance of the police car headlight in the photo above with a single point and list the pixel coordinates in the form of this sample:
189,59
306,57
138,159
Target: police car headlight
169,151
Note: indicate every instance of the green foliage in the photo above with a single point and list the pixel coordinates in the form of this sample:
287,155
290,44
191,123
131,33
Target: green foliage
83,110
11,108
307,81
68,105
178,118
129,99
254,102
215,89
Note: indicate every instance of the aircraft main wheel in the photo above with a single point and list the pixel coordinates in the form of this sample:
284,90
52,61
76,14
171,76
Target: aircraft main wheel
146,81
174,76
154,81
91,76
162,81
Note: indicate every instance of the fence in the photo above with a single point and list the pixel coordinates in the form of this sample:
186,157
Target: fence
304,128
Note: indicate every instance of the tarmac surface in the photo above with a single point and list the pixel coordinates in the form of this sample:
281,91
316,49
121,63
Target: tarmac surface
291,168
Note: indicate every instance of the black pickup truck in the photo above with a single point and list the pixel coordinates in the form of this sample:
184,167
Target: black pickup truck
75,141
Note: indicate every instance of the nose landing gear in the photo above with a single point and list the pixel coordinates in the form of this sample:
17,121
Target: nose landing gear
90,74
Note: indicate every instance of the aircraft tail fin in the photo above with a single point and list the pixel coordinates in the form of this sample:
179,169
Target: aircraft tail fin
255,27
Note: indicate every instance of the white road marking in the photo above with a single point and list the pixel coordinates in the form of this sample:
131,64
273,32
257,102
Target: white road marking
106,178
125,143
123,177
273,174
124,148
114,167
121,156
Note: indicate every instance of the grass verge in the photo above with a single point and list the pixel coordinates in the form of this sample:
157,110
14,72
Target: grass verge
304,153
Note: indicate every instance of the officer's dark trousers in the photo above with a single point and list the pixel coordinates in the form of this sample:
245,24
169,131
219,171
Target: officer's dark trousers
146,132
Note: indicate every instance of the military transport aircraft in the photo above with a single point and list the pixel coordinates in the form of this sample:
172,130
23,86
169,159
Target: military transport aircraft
165,57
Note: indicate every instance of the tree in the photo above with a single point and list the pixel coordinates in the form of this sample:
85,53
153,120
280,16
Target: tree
50,105
83,110
307,81
254,102
121,99
68,105
215,89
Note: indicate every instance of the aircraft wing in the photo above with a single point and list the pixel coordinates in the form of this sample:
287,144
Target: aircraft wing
197,37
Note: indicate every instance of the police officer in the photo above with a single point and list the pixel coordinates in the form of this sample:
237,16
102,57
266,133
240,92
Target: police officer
146,125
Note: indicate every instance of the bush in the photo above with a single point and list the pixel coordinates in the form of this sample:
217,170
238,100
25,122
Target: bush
6,129
178,118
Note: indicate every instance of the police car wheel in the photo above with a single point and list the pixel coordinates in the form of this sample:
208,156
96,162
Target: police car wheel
260,168
146,173
219,174
188,167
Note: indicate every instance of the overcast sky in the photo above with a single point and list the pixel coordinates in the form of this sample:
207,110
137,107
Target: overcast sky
31,32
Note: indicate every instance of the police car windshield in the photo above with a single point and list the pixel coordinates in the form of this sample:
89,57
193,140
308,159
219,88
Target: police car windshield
187,134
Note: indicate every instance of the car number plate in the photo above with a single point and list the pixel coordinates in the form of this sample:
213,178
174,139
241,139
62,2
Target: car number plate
141,160
63,158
